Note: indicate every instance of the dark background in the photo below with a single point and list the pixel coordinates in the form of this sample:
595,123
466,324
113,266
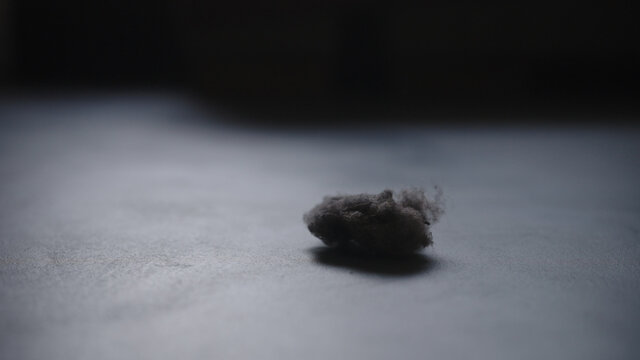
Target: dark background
335,57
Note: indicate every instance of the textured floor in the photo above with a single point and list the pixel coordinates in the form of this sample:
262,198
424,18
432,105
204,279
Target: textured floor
130,229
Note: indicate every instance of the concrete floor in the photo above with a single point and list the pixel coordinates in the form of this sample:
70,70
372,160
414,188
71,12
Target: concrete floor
131,229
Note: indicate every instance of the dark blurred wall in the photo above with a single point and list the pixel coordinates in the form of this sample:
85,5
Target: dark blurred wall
96,43
411,54
432,51
5,39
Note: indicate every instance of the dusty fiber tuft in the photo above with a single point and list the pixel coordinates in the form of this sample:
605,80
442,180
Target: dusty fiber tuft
380,224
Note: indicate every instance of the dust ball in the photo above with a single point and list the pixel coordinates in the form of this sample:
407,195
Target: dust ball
381,224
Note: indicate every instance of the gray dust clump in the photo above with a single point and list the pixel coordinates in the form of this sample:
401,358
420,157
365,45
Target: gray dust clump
378,224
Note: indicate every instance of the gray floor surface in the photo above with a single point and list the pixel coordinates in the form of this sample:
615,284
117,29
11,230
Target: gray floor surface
131,229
